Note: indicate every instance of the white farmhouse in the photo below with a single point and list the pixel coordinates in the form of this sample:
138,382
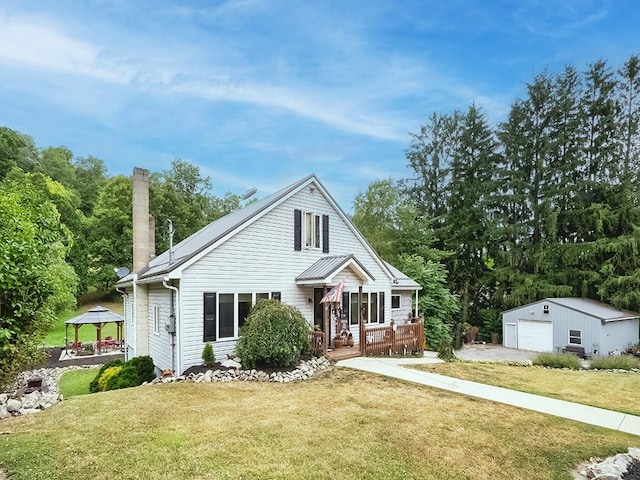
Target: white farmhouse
291,246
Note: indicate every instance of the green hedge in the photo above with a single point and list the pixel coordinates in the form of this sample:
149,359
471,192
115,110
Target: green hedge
557,360
117,374
621,362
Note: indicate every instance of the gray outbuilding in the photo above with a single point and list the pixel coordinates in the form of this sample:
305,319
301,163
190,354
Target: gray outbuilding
552,324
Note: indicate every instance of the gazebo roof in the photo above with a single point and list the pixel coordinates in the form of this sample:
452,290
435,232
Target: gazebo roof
96,315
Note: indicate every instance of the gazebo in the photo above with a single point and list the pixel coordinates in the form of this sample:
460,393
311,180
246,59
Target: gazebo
99,317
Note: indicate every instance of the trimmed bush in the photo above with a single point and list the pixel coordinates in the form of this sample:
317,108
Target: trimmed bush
93,386
106,376
557,360
117,374
620,362
274,335
144,367
125,378
208,357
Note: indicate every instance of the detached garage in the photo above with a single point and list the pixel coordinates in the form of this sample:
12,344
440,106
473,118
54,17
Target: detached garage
553,324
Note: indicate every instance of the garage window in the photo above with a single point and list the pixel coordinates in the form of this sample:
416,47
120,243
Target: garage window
575,337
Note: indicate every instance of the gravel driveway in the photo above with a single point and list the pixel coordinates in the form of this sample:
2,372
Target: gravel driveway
493,352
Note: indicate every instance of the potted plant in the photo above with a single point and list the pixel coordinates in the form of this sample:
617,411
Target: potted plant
337,341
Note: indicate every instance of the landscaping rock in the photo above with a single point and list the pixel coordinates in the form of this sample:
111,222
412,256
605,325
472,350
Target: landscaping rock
13,405
618,467
30,400
3,412
231,364
3,398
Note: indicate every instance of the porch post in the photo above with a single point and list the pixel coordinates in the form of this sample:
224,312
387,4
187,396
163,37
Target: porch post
325,320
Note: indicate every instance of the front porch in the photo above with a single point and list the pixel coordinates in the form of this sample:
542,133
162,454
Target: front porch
379,340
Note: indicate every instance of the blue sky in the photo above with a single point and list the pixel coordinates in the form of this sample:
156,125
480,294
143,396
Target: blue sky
261,93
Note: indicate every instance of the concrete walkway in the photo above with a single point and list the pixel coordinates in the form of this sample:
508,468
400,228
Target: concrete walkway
393,367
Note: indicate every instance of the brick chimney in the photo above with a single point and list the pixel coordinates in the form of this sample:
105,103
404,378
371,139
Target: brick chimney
142,238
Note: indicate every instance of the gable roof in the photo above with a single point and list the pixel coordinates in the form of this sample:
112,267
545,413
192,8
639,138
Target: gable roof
325,268
402,281
601,311
190,248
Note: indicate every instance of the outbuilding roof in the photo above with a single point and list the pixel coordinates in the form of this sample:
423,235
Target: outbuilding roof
602,311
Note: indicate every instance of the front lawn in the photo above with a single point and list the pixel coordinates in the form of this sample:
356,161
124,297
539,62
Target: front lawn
342,425
613,391
86,333
76,382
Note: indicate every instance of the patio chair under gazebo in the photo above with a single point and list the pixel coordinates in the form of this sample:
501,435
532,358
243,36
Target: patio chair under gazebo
99,317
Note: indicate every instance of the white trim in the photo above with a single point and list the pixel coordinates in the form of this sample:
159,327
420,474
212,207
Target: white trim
349,263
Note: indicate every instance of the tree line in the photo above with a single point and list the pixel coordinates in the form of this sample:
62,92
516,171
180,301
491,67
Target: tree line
65,224
545,204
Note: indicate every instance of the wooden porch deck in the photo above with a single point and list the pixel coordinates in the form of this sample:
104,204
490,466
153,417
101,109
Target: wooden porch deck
343,353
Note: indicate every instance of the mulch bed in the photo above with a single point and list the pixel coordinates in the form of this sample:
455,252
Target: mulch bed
217,366
52,356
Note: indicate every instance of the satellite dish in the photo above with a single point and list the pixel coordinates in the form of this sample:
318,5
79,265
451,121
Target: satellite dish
122,271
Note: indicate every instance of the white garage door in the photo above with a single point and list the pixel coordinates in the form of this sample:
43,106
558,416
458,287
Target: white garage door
535,335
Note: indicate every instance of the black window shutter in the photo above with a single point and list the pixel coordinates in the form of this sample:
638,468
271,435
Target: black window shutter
209,317
297,229
325,233
345,305
381,305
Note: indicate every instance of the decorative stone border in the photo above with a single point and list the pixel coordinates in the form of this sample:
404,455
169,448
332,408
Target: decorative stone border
611,468
15,402
304,371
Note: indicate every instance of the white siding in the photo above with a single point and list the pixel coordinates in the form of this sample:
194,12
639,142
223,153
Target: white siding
618,335
160,343
261,258
128,324
406,306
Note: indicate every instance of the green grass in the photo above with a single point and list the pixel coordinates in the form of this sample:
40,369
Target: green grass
76,382
342,425
86,333
604,389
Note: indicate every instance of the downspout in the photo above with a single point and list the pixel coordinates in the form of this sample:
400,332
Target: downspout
124,296
175,316
134,316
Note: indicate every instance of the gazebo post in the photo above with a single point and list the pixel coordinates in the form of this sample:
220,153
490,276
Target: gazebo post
76,327
99,334
66,339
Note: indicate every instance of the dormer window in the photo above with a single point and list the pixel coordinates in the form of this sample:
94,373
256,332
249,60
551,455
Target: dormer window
545,309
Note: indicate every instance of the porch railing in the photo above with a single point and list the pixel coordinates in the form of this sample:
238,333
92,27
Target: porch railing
392,339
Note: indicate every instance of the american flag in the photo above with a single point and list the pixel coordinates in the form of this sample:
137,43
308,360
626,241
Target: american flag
335,294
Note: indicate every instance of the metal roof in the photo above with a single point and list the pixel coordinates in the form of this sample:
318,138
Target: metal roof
96,315
602,311
327,267
211,233
593,308
402,281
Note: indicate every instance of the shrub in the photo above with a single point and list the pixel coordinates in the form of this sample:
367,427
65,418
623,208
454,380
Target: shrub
93,386
620,362
557,360
275,334
208,356
106,376
445,350
434,331
125,378
144,367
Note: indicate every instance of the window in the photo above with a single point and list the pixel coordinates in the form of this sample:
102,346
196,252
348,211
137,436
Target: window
309,231
575,337
276,296
395,302
354,309
244,305
156,320
545,309
373,307
262,295
226,316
